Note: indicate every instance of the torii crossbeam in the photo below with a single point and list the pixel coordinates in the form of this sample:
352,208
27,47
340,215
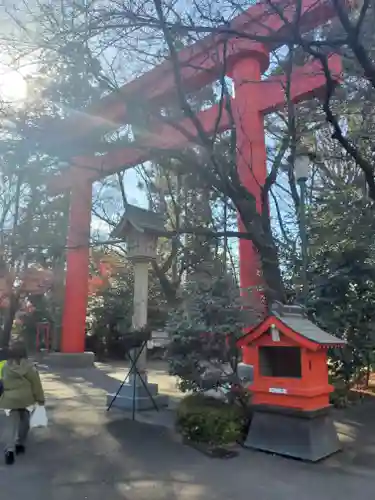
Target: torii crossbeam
246,61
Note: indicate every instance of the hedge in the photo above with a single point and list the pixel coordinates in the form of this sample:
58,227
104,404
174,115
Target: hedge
208,420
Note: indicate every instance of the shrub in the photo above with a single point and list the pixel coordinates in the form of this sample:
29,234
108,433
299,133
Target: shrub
204,330
207,420
339,398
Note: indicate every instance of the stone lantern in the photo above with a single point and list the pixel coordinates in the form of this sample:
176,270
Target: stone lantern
140,229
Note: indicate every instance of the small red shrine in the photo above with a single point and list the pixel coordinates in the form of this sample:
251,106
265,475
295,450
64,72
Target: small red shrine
290,388
290,356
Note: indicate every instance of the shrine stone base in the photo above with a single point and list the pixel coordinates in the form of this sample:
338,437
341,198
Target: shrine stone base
135,393
305,435
66,360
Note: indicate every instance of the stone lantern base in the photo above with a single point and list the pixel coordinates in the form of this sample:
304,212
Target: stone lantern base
135,393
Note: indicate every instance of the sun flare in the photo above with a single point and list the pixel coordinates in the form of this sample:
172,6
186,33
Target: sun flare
13,85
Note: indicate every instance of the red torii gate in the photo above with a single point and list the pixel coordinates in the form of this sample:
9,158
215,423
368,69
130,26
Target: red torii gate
246,61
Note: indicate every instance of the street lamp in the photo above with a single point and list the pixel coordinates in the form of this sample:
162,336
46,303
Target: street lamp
301,173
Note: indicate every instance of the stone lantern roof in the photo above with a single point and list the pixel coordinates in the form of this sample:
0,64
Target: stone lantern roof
141,220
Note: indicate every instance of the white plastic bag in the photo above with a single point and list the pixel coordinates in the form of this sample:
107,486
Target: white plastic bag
38,417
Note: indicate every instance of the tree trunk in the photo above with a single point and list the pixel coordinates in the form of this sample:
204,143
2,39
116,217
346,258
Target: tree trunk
11,313
264,243
169,290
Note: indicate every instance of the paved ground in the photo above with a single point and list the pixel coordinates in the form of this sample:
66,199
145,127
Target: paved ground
90,454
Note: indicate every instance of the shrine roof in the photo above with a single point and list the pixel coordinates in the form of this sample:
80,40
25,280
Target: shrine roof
141,220
296,325
309,330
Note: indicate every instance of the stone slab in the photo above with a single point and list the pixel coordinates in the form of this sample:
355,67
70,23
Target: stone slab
125,402
140,391
293,435
67,360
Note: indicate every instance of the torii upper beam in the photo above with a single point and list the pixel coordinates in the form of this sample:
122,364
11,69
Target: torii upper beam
202,62
305,81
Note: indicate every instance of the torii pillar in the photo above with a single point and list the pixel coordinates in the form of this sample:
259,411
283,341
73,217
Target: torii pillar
77,278
246,74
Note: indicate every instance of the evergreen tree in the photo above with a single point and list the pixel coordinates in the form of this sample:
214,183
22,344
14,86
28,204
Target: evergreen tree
342,275
204,330
32,224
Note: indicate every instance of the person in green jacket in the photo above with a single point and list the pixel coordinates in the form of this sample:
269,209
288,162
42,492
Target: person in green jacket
3,360
22,388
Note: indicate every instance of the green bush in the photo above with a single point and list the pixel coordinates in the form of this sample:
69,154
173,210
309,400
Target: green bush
207,420
339,398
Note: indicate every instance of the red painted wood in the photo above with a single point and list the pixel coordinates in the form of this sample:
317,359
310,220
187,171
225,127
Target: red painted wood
247,60
310,392
77,270
307,81
200,63
295,337
43,335
251,162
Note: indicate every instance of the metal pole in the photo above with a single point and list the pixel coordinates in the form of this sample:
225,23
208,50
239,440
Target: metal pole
303,236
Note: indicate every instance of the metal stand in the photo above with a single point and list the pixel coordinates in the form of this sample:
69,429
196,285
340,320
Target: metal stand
134,370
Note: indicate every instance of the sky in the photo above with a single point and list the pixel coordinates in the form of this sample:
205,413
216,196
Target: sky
134,195
138,197
14,83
